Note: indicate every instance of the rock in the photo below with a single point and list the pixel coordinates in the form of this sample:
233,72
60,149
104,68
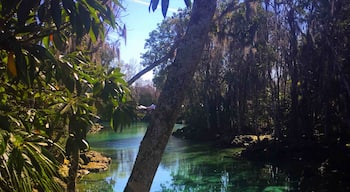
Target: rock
92,161
95,128
96,162
64,169
95,167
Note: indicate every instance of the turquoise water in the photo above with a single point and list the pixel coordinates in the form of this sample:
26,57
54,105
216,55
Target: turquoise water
186,166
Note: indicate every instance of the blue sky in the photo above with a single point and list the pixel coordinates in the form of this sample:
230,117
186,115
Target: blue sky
139,23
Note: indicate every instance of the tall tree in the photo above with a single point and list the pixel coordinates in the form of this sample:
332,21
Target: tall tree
172,96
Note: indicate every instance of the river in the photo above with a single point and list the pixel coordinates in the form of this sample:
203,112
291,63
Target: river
185,166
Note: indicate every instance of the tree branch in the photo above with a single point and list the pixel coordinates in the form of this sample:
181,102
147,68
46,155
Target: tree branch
170,54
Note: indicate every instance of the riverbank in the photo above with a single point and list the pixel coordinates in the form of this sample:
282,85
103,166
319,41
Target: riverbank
312,164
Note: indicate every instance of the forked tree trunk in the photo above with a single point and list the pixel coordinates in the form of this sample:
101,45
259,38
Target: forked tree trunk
172,96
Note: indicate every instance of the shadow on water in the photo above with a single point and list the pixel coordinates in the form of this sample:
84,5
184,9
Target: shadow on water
186,166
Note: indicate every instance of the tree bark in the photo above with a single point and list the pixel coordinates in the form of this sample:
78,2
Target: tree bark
172,96
73,170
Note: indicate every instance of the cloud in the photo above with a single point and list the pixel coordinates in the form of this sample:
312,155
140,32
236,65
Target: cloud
140,2
172,10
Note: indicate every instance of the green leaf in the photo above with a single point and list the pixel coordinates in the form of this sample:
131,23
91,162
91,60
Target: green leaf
56,13
165,6
40,53
92,35
8,6
31,69
23,11
65,109
4,123
34,155
79,29
42,12
118,4
69,6
153,4
16,140
98,87
124,35
73,22
16,160
92,11
97,6
46,41
110,16
84,15
21,64
58,41
96,29
3,142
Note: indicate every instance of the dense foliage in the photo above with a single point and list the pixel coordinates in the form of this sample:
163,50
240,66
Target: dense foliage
276,67
54,86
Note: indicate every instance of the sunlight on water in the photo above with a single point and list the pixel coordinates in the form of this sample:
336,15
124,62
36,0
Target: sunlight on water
185,166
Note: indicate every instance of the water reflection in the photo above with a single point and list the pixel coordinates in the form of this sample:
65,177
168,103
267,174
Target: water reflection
211,171
185,166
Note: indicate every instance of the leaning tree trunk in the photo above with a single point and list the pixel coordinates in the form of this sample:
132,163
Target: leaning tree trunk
172,96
